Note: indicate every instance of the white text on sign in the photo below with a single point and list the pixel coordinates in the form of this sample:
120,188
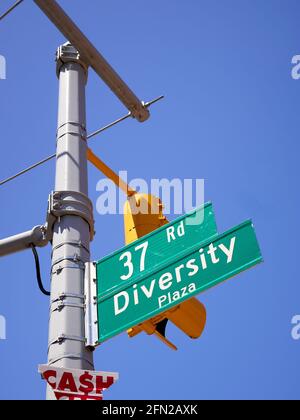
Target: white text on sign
172,234
192,267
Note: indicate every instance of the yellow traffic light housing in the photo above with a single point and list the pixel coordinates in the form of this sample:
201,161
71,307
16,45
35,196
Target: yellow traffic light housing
143,214
189,317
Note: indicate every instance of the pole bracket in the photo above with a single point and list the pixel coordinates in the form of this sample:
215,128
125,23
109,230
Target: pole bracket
64,296
91,312
65,54
69,203
77,244
64,337
72,129
62,304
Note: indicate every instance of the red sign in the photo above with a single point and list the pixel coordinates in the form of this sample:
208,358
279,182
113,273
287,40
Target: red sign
73,384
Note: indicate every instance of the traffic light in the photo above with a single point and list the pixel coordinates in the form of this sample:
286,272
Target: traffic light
143,213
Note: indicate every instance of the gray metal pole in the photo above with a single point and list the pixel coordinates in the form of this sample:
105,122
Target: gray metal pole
72,232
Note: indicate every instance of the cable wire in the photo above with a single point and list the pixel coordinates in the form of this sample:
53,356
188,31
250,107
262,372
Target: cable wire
11,9
90,136
38,271
27,169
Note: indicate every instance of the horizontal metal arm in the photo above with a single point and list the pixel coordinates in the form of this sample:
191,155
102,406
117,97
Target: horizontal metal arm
22,241
93,58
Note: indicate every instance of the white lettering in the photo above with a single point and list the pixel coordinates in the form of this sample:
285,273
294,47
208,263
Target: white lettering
149,293
171,234
144,248
178,273
119,310
212,253
135,295
161,300
228,252
181,230
192,288
165,282
175,296
203,259
191,265
127,264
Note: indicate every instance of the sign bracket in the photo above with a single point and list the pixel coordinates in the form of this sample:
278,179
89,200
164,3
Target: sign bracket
91,312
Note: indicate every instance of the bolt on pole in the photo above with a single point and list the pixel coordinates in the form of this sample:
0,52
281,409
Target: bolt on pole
72,233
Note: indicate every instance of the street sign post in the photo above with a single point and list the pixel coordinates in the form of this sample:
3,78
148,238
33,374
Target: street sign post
125,298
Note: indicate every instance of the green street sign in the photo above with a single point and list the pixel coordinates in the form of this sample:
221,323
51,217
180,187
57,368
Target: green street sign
176,278
143,255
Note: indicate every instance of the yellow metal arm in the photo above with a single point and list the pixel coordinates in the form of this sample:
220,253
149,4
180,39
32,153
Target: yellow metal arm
109,173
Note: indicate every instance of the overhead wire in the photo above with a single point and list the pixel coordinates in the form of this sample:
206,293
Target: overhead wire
11,9
90,136
11,178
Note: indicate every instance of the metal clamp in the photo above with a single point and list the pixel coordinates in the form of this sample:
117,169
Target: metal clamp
62,304
63,337
60,268
79,263
64,296
70,356
71,128
75,259
65,54
77,244
69,203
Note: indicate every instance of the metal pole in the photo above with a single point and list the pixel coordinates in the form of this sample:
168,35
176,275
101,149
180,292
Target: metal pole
72,233
93,58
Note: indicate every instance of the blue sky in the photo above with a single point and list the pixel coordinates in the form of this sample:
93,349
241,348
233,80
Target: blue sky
230,116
